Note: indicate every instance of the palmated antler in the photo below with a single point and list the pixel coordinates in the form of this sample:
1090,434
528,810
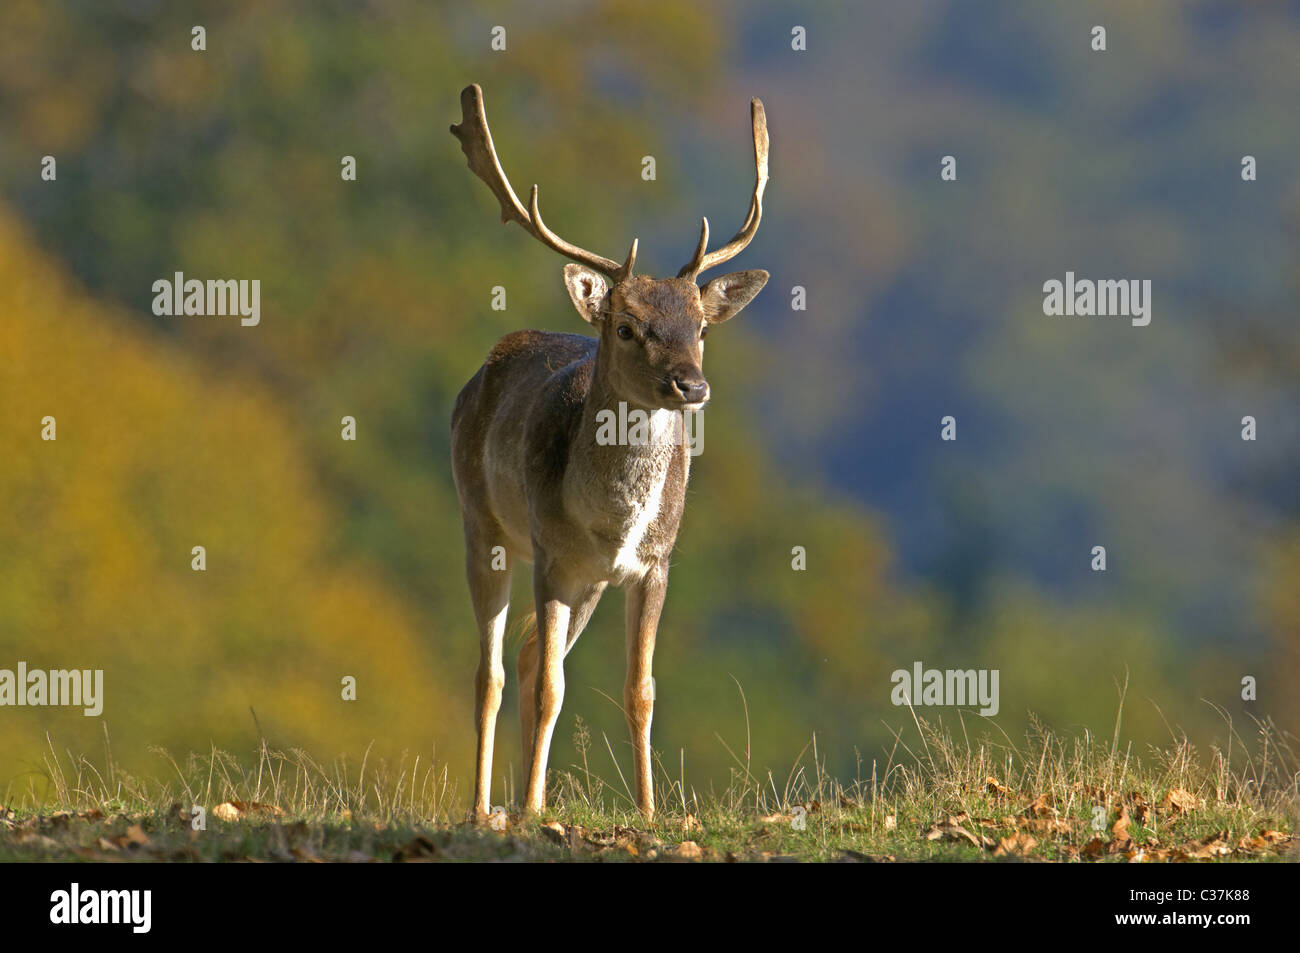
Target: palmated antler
702,261
476,141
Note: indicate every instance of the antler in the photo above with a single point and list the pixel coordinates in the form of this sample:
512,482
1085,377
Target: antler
476,141
701,261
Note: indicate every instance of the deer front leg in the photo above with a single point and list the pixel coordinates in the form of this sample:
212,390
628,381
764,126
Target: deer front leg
645,600
553,611
528,654
490,592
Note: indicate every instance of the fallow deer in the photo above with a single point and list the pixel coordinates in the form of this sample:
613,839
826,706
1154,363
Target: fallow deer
536,484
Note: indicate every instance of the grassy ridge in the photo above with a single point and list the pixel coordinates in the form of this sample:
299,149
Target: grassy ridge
934,797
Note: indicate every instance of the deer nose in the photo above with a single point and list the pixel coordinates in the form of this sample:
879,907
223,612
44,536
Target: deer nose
693,390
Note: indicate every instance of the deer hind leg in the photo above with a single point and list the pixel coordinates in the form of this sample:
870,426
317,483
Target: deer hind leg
644,603
489,590
528,658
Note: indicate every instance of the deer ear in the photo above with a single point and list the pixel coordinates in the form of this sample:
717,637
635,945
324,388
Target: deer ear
587,289
724,296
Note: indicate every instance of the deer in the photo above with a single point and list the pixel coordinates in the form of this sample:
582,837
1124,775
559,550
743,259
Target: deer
536,484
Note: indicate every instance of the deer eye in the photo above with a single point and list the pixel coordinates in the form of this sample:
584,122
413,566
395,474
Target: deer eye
704,330
624,332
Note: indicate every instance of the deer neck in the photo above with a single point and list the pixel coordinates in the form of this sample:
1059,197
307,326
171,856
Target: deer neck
619,464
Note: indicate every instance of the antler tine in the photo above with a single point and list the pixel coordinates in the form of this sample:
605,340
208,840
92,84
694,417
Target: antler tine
547,237
692,267
476,142
701,261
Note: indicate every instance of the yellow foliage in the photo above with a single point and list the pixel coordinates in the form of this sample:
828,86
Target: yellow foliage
156,454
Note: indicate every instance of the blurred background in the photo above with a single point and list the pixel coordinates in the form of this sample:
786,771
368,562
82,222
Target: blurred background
328,558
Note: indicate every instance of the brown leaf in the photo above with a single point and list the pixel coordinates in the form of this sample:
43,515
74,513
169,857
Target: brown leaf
421,849
691,823
1040,808
135,837
1179,801
857,857
30,839
994,786
1263,841
1094,848
1046,825
687,850
237,810
1015,844
958,834
1119,831
554,832
1216,845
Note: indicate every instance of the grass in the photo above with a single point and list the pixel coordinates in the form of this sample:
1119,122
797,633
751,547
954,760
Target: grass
933,798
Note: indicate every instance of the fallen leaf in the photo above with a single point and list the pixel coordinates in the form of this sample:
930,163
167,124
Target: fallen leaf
1119,831
857,857
30,839
237,810
1040,808
958,834
1179,801
1015,844
687,850
1046,825
1263,841
994,786
1216,845
418,850
1094,848
554,832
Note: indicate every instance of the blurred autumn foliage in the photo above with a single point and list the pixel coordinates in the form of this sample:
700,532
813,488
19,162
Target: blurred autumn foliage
328,558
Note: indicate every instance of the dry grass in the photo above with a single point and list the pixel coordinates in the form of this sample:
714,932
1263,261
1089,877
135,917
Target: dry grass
935,795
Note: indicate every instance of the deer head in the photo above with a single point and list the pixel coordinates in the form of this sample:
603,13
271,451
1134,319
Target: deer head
651,330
